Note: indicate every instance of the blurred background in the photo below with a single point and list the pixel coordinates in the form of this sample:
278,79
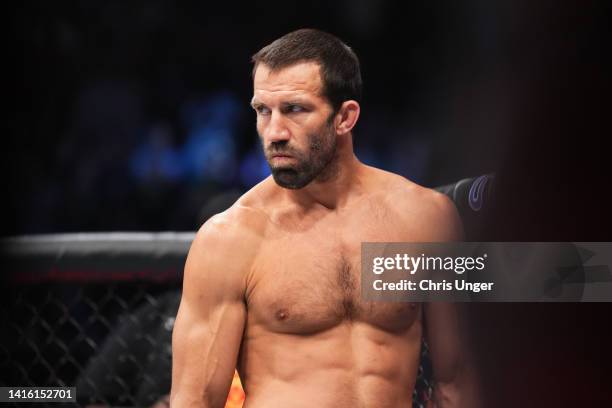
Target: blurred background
135,116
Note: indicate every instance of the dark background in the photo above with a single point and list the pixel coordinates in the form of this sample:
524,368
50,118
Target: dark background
131,115
134,116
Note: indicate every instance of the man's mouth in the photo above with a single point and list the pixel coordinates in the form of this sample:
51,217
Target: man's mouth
281,159
281,155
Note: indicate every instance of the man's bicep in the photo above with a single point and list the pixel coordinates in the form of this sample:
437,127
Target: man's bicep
442,333
209,324
205,353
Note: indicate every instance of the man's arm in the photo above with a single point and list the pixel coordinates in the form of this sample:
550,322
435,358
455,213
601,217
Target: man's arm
211,317
455,384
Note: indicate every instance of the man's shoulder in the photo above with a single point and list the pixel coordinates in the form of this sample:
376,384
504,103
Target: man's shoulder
412,196
246,218
402,191
230,238
420,207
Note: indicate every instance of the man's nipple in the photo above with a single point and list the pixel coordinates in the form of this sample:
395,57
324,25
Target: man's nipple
282,314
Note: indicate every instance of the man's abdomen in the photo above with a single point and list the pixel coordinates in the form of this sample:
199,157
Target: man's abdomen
350,365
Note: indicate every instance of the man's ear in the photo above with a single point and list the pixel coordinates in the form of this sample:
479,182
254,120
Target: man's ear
347,116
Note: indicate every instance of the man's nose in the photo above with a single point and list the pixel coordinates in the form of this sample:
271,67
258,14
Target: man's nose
277,130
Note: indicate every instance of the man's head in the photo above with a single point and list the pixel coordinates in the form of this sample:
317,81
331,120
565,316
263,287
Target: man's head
307,87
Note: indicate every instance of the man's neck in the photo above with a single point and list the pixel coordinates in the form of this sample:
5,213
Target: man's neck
332,188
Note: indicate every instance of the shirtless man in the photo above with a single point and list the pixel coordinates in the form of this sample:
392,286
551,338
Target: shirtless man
272,285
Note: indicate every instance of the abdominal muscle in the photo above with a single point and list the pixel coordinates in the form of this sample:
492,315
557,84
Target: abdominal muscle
352,364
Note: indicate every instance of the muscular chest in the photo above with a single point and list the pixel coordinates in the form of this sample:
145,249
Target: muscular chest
308,282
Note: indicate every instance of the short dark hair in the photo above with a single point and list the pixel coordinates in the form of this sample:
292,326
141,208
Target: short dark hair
340,72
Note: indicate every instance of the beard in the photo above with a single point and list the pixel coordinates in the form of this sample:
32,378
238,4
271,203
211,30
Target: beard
315,163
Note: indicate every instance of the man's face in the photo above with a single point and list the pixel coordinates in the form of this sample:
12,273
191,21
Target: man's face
294,122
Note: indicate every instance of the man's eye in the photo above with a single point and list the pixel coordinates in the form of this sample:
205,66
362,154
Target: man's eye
262,110
295,108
